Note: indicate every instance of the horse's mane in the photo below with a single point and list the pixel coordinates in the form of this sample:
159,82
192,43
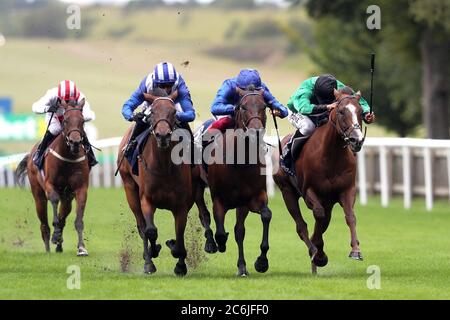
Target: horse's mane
158,92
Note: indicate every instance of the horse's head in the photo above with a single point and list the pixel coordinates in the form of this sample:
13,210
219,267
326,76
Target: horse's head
73,131
162,115
251,109
348,118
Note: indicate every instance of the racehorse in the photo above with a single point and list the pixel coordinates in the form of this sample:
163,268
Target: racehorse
325,175
65,176
160,183
241,186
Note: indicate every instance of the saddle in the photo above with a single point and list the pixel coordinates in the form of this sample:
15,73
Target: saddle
133,157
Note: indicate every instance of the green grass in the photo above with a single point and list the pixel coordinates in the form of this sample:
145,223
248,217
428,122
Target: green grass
410,247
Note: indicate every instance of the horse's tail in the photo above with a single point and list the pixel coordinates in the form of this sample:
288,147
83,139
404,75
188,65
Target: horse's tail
21,171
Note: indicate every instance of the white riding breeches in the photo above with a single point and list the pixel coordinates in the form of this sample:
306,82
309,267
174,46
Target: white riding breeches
303,123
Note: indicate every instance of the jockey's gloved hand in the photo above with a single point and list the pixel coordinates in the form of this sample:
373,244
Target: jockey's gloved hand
52,108
139,116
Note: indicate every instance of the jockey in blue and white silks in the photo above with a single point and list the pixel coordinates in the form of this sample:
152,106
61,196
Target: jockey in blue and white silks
165,77
227,98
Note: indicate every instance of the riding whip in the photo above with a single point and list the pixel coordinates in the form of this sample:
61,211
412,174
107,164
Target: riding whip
278,134
372,70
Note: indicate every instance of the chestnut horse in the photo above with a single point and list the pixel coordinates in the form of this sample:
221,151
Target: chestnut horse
241,186
161,184
65,176
325,175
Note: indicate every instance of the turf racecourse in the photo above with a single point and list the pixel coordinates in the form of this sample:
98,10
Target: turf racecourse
411,249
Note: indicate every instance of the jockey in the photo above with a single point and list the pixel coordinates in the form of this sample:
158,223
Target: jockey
309,108
227,98
50,104
164,77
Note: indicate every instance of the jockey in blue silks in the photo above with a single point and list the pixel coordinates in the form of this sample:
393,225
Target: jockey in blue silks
164,77
227,98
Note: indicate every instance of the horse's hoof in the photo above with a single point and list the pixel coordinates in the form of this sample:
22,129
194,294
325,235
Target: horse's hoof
320,260
82,252
170,244
155,251
312,252
356,255
262,264
221,240
180,269
59,248
56,238
210,246
149,268
242,272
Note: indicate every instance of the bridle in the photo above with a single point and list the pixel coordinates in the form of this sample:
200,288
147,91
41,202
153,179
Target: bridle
346,132
67,135
149,116
241,106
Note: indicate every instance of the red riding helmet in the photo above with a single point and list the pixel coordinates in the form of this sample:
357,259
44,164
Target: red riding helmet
67,90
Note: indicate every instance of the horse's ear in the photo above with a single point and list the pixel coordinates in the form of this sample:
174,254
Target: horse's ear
81,103
358,95
149,97
337,94
239,91
261,92
63,103
174,95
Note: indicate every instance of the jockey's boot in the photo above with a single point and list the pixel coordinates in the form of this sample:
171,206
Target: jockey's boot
39,154
286,160
139,127
89,151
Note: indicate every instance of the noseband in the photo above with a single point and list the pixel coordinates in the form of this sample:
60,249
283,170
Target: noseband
240,106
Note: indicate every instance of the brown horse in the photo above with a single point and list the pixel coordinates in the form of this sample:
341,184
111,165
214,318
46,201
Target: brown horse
241,186
65,176
160,184
325,175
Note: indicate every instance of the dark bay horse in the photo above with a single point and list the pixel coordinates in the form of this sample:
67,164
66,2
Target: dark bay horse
65,176
326,173
160,184
241,186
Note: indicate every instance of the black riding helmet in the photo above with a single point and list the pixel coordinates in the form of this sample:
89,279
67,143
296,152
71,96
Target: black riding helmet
324,89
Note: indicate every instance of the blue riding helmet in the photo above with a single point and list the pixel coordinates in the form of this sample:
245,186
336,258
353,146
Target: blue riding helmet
248,77
164,73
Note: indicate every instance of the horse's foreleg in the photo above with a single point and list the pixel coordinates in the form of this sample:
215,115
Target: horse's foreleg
177,246
54,198
262,263
150,235
347,201
64,210
41,208
239,234
81,199
219,217
291,201
205,219
321,225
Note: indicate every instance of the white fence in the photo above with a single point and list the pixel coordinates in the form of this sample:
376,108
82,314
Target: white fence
386,166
